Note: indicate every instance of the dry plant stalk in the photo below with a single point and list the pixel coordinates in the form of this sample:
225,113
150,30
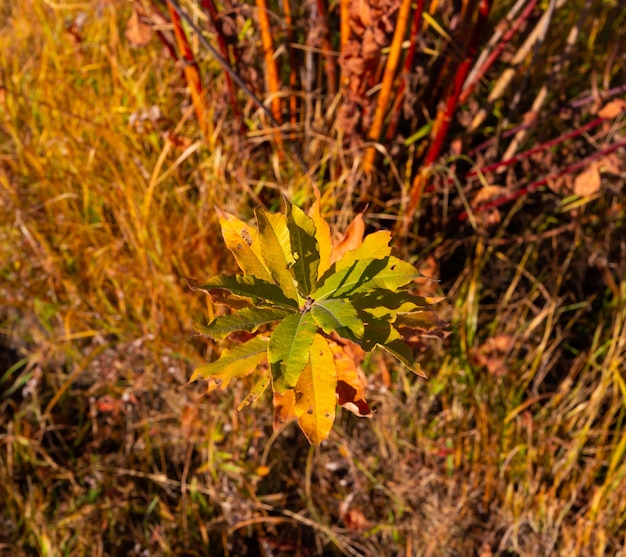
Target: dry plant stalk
444,117
293,78
344,29
192,74
273,81
330,64
387,82
211,10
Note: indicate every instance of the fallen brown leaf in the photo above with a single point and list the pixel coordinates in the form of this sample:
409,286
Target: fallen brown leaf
612,108
137,32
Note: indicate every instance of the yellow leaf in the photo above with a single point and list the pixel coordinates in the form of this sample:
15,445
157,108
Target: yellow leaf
375,246
315,398
275,244
322,234
241,240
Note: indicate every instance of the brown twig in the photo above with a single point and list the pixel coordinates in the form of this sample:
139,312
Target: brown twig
330,64
344,29
211,10
475,78
236,78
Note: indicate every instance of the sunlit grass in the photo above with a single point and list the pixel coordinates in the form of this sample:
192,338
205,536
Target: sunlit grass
515,444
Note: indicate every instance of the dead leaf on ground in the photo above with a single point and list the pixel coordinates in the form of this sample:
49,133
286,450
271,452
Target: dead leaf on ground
487,193
561,185
589,181
612,109
353,519
138,33
493,354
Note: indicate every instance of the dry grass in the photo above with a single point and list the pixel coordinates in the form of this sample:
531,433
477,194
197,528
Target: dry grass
515,446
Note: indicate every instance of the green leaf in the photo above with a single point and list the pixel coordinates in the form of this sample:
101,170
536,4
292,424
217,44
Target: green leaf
288,349
247,319
276,249
248,286
379,332
382,302
242,241
304,248
337,315
238,362
420,321
315,392
365,275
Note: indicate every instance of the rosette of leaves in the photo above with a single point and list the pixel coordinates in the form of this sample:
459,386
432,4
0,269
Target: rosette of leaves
310,309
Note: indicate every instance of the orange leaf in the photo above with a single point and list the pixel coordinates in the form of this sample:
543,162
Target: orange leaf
284,409
350,382
352,239
613,108
588,182
322,232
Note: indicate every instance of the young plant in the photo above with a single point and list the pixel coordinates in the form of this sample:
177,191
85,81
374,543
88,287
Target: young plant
330,303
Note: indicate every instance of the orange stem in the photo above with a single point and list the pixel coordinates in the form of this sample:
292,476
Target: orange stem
273,82
293,101
387,82
344,29
192,73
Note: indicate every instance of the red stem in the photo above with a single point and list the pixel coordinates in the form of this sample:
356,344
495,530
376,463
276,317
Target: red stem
451,104
498,50
542,147
532,187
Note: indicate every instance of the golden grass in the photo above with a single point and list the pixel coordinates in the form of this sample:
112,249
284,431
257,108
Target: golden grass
512,448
